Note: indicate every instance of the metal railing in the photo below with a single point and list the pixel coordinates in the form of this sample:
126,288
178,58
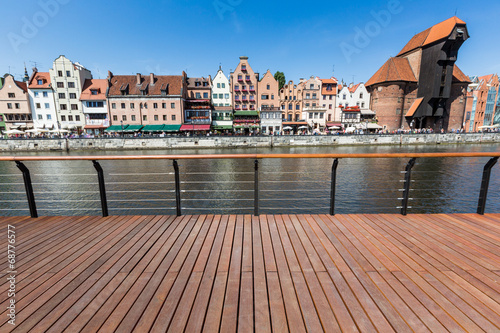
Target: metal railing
181,188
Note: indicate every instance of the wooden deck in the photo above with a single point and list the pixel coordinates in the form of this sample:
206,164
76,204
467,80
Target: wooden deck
242,273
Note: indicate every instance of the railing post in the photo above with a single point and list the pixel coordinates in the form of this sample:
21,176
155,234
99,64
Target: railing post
256,189
481,205
177,188
406,191
333,185
29,188
102,188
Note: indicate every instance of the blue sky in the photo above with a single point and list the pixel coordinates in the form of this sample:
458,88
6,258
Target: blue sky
299,38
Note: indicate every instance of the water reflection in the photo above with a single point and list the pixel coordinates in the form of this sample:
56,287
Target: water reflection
446,185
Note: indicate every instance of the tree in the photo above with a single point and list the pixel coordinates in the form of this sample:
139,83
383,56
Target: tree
280,77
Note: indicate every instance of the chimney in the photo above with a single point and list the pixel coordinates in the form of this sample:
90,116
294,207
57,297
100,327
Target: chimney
152,79
138,78
301,80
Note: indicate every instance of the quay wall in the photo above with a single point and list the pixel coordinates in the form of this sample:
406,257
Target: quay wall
137,143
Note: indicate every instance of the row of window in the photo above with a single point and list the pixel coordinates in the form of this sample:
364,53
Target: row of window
14,117
70,118
198,95
144,117
316,115
237,87
17,105
95,104
344,96
65,107
143,105
60,73
63,96
38,106
61,84
221,85
220,96
314,96
44,94
270,115
266,97
48,117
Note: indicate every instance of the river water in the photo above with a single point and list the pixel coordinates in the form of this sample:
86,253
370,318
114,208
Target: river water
288,186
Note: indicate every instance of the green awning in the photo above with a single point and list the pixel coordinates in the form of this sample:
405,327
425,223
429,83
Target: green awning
133,128
115,128
246,113
171,128
222,127
153,128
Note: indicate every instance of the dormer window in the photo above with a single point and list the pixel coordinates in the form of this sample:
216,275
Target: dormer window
205,84
40,82
197,84
93,92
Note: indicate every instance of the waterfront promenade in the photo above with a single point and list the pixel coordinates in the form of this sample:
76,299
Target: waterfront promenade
233,273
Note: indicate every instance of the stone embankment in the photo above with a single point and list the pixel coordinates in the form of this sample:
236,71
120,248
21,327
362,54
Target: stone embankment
80,144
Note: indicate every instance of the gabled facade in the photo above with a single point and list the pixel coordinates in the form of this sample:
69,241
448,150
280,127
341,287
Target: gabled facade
221,90
271,121
244,87
480,113
42,101
146,100
67,79
290,97
422,87
328,100
15,105
95,105
268,92
198,104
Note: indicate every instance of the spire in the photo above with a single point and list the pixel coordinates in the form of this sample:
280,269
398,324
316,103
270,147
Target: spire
26,76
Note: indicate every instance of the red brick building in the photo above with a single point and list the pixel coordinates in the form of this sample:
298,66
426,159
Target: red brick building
422,87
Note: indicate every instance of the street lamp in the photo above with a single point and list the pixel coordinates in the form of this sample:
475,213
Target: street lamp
121,122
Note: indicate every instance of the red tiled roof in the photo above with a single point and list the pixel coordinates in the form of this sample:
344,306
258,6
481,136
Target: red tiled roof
44,76
174,83
414,107
354,88
459,76
437,32
101,85
22,85
394,70
327,81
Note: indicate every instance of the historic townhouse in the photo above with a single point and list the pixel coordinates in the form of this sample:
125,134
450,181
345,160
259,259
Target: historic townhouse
42,100
67,79
268,88
328,99
198,104
95,106
290,97
271,120
15,105
480,112
422,87
313,111
139,100
221,90
244,86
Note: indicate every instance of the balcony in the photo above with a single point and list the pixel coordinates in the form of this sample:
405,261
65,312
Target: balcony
237,107
237,89
252,107
247,78
252,99
244,90
252,89
240,78
236,98
245,107
243,68
245,100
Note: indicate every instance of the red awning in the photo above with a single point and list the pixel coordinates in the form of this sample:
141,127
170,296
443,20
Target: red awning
94,126
188,127
333,124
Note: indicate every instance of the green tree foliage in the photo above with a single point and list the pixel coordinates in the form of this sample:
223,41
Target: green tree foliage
280,77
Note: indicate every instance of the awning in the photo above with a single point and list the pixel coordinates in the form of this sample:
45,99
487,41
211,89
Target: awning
171,128
115,128
188,127
246,114
94,126
223,127
333,124
133,128
153,128
367,112
414,107
373,126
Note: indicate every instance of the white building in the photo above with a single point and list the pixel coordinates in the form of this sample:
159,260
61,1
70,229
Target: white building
42,100
271,120
94,105
67,81
315,117
221,90
354,95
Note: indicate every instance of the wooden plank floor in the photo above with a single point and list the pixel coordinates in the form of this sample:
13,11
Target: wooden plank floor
297,273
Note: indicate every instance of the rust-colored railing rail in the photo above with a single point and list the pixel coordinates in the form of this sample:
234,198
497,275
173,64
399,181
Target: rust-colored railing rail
256,157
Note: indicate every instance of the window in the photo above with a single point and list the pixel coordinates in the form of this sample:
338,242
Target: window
64,107
310,115
321,115
12,95
60,84
144,117
68,73
123,105
398,111
77,118
164,117
344,97
198,95
311,86
308,96
268,87
297,107
113,105
47,105
226,96
145,105
331,97
72,95
17,105
314,96
205,95
36,94
124,118
324,97
360,95
70,118
173,117
115,118
39,82
163,105
223,85
172,105
63,118
62,95
132,117
38,105
72,85
265,97
93,92
363,104
40,117
155,105
49,117
132,106
59,73
272,96
399,99
218,85
221,96
45,94
156,117
74,107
